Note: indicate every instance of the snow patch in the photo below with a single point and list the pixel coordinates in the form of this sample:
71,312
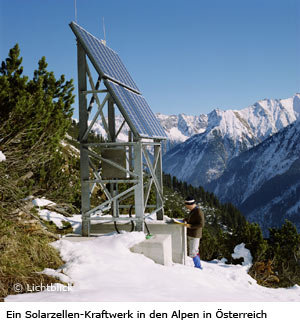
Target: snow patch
57,274
41,202
176,135
294,209
2,157
241,251
56,218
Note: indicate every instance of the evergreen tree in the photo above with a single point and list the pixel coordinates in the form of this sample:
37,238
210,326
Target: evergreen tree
34,117
39,110
284,251
12,84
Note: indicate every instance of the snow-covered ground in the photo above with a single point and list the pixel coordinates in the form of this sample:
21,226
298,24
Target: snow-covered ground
104,269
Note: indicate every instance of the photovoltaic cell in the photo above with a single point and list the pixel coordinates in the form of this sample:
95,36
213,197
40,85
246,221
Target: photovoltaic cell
139,114
106,61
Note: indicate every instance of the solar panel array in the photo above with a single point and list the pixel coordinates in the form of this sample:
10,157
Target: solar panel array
106,61
120,85
138,111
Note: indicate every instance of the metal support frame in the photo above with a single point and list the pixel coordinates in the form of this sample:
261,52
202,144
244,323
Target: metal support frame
159,175
139,190
83,126
137,157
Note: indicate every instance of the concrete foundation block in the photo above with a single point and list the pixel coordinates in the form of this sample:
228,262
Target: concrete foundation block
178,237
177,232
158,248
78,238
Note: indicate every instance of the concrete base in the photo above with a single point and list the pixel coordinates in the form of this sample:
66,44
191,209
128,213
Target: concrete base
177,232
158,248
79,238
178,237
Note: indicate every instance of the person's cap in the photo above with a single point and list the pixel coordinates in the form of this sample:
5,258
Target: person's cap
189,201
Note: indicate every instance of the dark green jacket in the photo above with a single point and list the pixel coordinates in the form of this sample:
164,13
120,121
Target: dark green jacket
196,219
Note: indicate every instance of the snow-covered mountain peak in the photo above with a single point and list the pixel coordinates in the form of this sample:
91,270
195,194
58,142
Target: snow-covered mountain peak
228,133
214,117
261,119
182,126
228,123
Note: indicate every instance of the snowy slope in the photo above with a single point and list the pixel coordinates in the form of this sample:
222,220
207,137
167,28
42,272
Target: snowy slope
104,269
204,157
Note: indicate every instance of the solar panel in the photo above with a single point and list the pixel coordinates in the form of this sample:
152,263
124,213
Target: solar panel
106,61
120,85
136,110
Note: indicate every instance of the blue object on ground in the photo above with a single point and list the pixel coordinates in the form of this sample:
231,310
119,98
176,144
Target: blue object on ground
197,262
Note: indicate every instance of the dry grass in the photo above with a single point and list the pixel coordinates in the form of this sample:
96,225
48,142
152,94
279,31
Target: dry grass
25,251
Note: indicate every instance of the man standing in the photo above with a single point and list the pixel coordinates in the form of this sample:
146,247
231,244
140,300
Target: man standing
194,223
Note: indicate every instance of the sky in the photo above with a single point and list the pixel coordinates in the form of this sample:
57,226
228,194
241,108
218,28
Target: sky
187,56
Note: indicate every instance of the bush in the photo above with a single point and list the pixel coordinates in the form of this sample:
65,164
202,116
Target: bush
25,251
284,250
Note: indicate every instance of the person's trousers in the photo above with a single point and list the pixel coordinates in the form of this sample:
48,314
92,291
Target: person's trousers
193,246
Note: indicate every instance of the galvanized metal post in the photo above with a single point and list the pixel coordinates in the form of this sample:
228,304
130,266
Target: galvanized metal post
130,156
158,173
111,120
83,125
112,133
139,188
114,204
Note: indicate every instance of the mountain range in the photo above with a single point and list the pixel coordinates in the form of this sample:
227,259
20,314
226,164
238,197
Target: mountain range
248,157
205,155
264,182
